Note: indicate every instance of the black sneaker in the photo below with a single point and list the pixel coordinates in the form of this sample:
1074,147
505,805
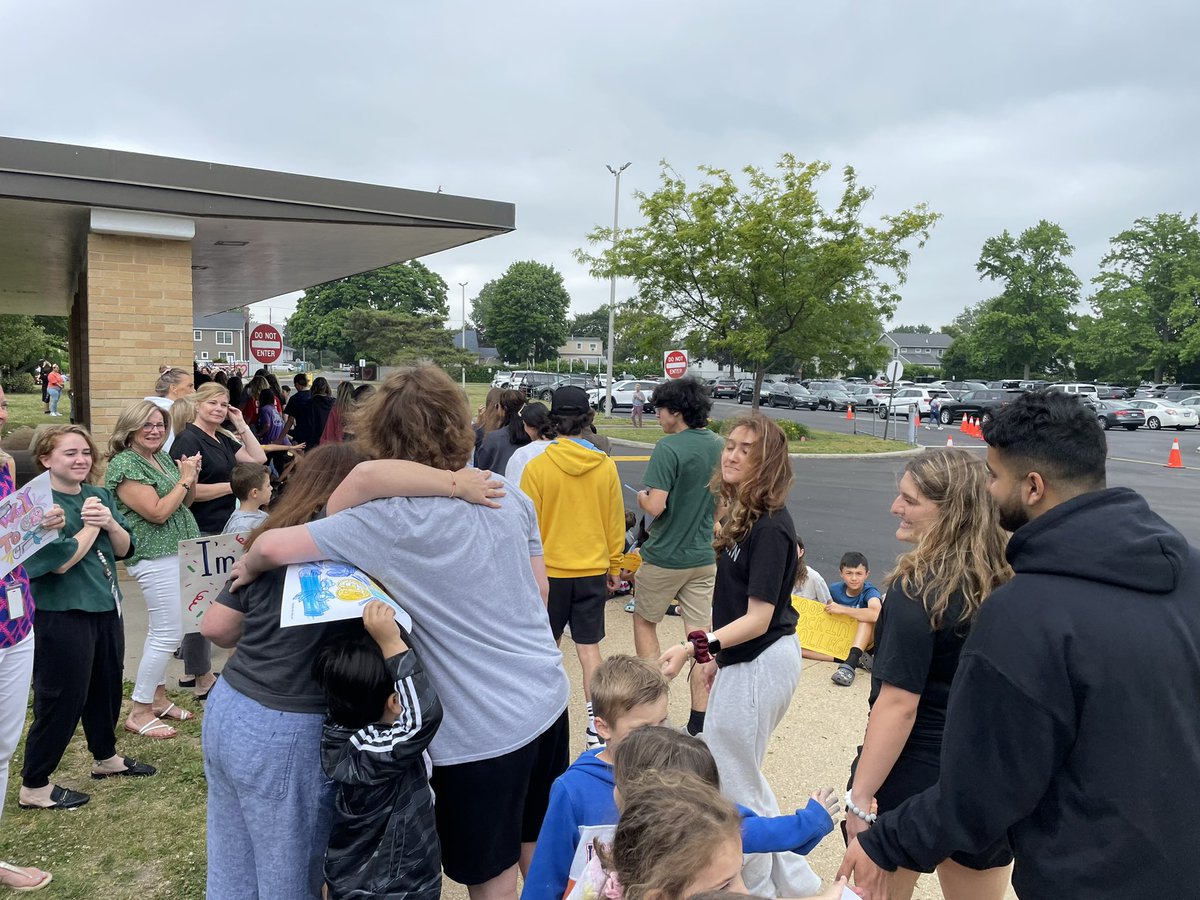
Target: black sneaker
674,610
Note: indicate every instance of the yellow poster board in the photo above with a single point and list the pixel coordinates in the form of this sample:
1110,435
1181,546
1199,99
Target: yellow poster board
820,632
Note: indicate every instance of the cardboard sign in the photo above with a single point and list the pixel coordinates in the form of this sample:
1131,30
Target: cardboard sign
204,567
325,591
821,632
21,514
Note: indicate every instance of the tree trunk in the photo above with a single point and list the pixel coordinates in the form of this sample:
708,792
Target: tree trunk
1026,371
758,380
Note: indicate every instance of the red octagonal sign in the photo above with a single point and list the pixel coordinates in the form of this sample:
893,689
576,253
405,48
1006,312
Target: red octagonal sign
675,363
266,343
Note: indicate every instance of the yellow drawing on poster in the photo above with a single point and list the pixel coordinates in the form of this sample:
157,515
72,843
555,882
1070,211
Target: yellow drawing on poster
821,632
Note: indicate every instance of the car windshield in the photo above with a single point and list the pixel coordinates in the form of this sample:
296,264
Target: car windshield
798,389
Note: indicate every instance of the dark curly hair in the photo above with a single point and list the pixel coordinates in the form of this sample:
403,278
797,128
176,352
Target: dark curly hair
687,397
1053,434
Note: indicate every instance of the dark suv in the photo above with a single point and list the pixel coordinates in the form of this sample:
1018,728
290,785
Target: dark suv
532,383
975,403
547,393
724,387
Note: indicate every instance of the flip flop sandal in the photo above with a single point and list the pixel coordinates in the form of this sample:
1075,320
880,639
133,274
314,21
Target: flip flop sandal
133,769
45,877
60,798
181,715
151,730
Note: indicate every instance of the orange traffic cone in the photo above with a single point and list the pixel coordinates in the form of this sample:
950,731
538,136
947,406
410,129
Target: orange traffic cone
949,440
976,432
962,424
918,425
1175,460
850,412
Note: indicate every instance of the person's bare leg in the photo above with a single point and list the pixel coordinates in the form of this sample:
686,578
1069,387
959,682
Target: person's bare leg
527,849
502,887
698,690
960,883
903,884
864,634
813,654
645,638
589,661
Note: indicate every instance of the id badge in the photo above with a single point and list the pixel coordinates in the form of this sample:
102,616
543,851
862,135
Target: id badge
16,601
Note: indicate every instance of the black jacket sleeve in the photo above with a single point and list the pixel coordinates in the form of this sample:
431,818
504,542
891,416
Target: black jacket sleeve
378,752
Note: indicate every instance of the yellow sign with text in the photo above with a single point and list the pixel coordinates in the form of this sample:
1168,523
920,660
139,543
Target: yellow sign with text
820,632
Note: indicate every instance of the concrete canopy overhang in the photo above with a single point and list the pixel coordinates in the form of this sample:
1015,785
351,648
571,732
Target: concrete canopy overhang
258,234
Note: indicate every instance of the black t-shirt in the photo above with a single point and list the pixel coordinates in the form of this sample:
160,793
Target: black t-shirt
910,655
218,457
273,665
762,566
299,408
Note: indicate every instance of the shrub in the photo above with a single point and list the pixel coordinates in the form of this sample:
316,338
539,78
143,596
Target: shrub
20,383
793,430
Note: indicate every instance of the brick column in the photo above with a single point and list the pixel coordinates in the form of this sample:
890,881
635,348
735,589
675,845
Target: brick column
138,317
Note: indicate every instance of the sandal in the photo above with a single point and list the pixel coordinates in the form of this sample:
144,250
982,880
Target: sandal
204,696
155,729
39,878
60,798
133,769
181,715
844,676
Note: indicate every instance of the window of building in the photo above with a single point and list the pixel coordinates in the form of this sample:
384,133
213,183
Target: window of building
224,337
204,354
593,347
579,345
197,335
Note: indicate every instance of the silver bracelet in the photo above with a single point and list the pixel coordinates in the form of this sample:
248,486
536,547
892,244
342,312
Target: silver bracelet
867,817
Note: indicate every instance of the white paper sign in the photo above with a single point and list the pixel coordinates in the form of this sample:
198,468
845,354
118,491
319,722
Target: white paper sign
21,514
204,569
327,591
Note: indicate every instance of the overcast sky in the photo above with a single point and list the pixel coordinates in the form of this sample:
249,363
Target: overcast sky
996,115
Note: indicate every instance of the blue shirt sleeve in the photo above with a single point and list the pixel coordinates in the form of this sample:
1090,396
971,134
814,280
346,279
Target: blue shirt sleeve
798,833
551,865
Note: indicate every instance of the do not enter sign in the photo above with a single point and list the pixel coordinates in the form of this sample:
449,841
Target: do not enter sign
675,363
266,343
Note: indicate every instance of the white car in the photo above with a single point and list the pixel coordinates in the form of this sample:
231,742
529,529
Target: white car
1170,414
907,398
622,395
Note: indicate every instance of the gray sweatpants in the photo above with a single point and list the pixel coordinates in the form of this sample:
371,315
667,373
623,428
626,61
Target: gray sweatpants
747,703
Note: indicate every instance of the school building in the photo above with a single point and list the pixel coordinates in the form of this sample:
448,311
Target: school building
135,247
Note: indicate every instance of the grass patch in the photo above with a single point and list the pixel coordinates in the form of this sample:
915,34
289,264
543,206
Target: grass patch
25,410
138,837
817,441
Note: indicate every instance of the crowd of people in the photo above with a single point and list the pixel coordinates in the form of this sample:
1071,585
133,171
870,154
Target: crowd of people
1033,653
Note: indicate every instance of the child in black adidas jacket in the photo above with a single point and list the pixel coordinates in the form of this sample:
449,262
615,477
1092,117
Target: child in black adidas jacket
383,712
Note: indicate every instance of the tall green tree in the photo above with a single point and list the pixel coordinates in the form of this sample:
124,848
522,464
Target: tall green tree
1026,326
911,329
594,322
399,338
24,343
524,311
762,263
1148,299
321,317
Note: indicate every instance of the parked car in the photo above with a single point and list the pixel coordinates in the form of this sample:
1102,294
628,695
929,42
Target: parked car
532,383
746,392
1111,392
622,395
779,394
962,386
975,403
1074,387
724,387
502,380
910,397
867,396
802,397
833,399
1190,401
1160,413
1112,413
546,394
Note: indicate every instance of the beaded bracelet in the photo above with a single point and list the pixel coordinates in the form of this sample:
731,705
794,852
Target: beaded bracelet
869,818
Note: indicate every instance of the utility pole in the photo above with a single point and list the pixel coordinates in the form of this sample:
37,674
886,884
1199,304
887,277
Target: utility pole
463,285
612,287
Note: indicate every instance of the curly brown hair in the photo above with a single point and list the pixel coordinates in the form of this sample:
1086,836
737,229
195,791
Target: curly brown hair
417,414
765,487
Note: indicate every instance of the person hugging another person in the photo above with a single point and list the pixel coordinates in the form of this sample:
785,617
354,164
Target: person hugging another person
383,712
858,599
251,484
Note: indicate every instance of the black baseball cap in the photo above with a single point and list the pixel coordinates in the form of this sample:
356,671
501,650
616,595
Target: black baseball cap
569,401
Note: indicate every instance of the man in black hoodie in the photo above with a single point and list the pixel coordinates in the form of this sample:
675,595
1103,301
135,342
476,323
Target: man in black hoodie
1074,719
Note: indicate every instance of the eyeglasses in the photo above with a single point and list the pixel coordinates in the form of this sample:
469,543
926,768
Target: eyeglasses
154,426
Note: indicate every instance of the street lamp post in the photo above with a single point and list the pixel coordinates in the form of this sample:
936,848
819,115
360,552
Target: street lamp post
463,285
612,287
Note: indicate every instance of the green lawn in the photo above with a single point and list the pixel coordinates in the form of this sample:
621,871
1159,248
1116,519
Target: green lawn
26,410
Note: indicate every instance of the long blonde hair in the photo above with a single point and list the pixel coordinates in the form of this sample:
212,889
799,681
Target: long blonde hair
765,487
206,391
963,548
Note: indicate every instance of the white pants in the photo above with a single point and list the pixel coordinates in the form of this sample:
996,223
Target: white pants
16,671
159,581
747,703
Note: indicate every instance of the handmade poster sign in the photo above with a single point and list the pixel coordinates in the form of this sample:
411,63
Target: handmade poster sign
821,632
21,514
330,592
204,569
585,850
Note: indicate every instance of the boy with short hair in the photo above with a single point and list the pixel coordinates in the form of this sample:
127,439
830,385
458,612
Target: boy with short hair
251,484
383,712
860,600
627,693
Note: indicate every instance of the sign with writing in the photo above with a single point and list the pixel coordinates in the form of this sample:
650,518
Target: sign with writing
317,592
21,514
819,632
266,343
675,363
204,569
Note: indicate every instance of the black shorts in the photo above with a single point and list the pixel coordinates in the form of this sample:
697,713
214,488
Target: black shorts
485,810
913,772
580,602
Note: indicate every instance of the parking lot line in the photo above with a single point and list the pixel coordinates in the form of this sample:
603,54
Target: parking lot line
1146,462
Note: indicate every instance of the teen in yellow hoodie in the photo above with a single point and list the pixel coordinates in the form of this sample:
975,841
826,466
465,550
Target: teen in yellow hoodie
577,494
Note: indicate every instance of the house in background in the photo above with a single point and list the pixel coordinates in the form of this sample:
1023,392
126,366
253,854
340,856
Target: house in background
914,349
220,335
588,350
484,356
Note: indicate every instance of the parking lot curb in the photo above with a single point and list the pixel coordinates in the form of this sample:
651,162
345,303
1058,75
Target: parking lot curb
911,451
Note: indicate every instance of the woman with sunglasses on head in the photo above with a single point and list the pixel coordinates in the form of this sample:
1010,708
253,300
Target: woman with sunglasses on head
153,494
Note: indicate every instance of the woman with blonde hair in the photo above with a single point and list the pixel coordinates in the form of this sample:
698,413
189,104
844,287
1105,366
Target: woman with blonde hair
933,595
153,493
220,450
751,657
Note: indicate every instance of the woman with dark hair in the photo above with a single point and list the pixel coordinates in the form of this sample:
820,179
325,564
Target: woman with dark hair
269,800
751,657
221,378
539,428
504,736
276,390
343,407
237,391
933,596
249,404
499,443
319,409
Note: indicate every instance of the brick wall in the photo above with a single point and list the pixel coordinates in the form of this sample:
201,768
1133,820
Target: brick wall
139,317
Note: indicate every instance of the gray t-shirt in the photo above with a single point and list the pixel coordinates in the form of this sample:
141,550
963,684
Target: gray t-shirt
479,625
244,520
